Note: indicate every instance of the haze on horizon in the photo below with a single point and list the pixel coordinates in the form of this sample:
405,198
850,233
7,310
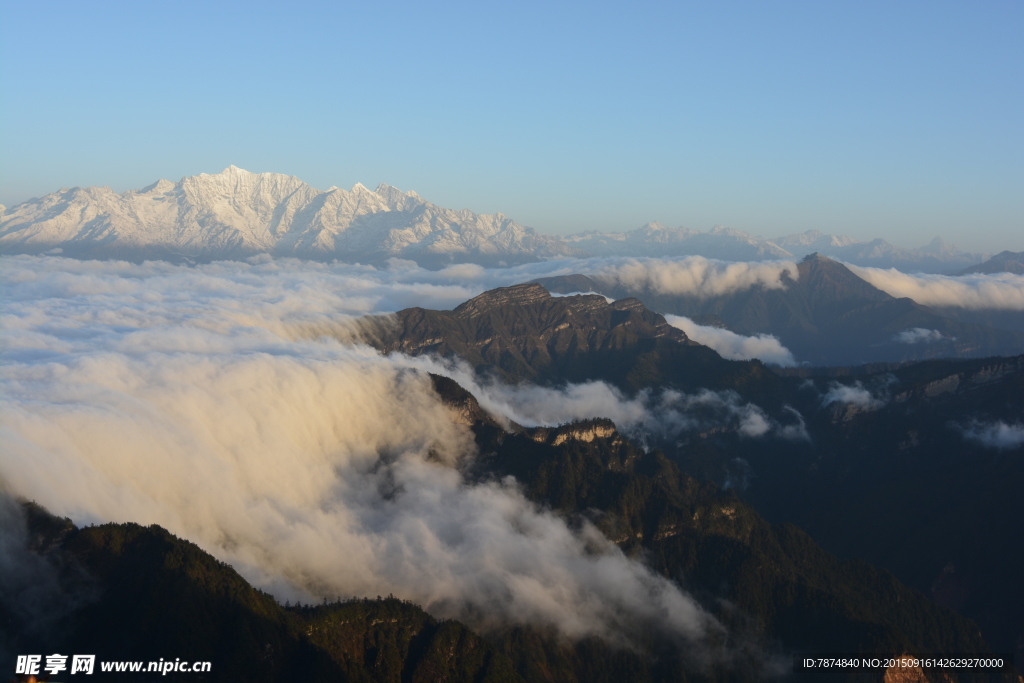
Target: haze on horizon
866,119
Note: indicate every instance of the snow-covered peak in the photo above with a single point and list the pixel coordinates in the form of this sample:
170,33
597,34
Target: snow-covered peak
384,188
804,243
939,247
725,231
159,187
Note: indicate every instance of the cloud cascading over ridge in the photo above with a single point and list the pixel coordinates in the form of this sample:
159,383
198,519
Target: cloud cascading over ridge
728,344
661,415
186,397
978,291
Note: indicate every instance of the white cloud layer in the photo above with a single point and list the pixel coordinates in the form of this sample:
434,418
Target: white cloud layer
692,275
728,344
978,291
193,398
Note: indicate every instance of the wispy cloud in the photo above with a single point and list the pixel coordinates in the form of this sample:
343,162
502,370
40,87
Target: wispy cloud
918,335
854,394
995,434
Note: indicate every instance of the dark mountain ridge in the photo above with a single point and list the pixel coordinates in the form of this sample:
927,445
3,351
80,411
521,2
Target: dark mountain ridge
150,595
523,333
914,467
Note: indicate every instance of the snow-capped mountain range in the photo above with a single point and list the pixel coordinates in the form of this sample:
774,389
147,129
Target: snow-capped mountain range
235,214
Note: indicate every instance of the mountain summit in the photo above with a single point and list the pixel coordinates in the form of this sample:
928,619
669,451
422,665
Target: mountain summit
523,333
236,213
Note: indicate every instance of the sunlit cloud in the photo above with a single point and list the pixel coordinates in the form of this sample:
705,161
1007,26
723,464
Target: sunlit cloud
728,344
1000,291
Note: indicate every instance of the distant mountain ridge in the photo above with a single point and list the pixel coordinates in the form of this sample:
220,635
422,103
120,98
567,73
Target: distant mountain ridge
236,214
1003,262
935,257
654,239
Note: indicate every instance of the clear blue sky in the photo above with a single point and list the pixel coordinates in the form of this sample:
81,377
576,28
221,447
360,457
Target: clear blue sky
903,120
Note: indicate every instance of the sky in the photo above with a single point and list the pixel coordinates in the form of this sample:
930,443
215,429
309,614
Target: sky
873,119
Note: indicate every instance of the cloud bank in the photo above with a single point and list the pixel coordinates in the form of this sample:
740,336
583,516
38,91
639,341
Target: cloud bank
692,275
193,398
978,291
728,344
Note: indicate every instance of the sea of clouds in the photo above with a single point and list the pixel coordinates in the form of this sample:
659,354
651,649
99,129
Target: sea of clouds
233,404
197,399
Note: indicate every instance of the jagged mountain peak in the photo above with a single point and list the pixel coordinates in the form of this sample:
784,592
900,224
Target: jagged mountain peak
385,189
817,272
815,257
162,186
